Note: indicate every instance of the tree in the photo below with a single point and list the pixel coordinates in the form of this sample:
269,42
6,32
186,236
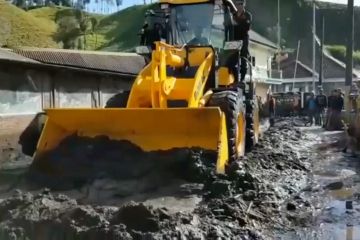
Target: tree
74,24
94,24
86,24
20,3
67,32
80,45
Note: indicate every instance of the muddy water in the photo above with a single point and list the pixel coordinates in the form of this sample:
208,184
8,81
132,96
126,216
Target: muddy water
335,193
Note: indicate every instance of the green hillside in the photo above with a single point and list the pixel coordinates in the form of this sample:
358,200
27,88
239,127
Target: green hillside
24,29
37,27
118,31
51,15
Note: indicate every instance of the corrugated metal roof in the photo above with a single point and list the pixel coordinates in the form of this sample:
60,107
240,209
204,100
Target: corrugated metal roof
104,61
6,54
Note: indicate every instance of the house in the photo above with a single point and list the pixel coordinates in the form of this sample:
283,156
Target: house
263,51
34,79
334,74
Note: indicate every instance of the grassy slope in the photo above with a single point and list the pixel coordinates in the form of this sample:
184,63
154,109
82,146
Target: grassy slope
50,15
35,28
120,29
26,29
339,52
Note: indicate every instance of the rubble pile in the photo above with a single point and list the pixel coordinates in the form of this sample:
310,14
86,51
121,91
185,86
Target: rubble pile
241,204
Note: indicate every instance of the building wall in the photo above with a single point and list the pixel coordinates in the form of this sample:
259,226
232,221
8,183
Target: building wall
262,68
11,127
262,55
27,90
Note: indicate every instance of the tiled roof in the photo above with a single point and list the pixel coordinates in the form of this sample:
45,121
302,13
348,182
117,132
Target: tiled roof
6,54
128,63
333,68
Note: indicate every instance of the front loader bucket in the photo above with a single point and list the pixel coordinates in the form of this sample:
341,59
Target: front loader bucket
150,129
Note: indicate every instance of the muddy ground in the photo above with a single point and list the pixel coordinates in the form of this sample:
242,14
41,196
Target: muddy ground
101,192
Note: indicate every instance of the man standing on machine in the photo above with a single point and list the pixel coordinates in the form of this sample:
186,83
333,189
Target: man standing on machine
241,21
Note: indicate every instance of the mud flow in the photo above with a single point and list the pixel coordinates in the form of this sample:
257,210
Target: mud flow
105,171
98,188
333,192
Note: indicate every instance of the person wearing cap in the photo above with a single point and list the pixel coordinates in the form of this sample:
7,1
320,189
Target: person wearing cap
321,102
241,23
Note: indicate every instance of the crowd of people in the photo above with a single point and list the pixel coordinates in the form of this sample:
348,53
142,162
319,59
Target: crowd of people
325,110
320,109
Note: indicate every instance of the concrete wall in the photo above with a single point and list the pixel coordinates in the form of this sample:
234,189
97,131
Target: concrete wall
29,90
26,90
262,55
11,127
262,68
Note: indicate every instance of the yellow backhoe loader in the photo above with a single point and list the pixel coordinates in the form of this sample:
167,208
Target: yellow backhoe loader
184,97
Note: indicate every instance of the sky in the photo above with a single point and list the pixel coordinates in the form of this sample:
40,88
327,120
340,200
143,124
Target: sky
357,2
107,9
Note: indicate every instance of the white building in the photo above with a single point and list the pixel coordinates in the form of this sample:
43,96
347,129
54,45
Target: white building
262,51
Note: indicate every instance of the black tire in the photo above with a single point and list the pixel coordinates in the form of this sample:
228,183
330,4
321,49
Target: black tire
30,136
119,100
229,103
250,131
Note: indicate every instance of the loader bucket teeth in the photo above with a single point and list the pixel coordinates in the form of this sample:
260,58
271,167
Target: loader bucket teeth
150,129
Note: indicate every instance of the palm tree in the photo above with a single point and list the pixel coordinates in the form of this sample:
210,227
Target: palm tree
87,24
67,32
73,25
94,24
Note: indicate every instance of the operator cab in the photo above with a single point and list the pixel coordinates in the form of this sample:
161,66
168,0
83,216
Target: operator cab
180,24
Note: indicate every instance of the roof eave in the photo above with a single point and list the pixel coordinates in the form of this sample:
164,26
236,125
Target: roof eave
264,44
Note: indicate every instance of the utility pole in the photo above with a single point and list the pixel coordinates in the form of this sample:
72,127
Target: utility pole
314,46
350,43
349,54
279,35
296,63
321,71
278,27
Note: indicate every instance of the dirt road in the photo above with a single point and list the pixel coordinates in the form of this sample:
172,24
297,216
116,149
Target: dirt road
174,196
